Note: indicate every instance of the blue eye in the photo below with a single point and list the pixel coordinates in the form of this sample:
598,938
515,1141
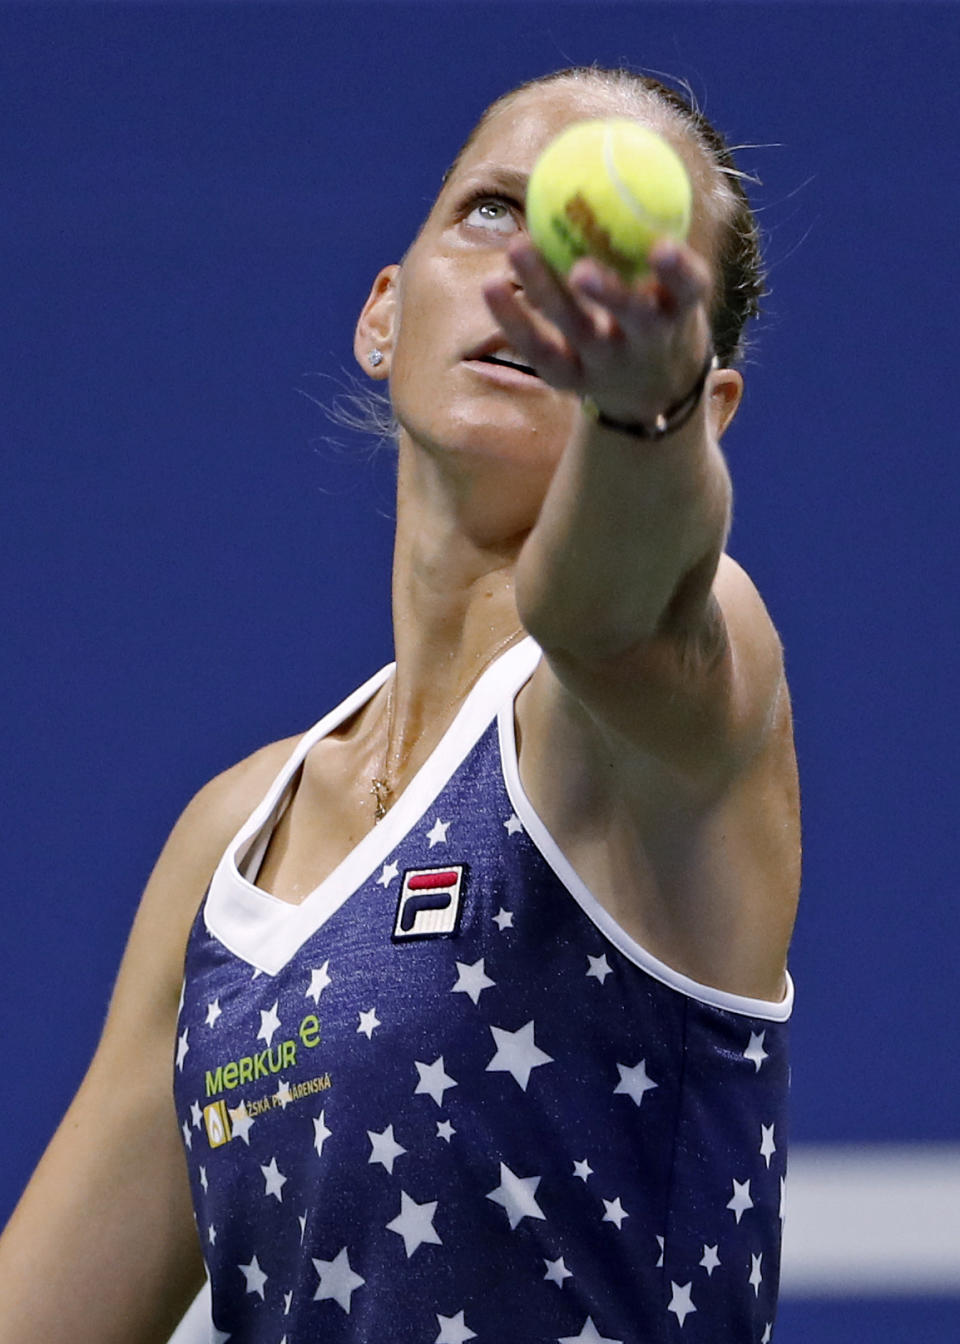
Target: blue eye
494,213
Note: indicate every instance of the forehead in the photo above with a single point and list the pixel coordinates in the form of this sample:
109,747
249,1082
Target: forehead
511,138
522,127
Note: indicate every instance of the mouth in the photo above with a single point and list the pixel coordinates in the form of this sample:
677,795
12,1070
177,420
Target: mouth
503,358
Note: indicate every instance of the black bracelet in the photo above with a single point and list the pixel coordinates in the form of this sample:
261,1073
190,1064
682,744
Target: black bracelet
668,421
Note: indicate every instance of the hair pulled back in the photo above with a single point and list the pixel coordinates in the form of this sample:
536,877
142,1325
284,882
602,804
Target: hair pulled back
738,262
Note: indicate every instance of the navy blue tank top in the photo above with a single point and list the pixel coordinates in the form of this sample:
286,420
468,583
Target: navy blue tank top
448,1098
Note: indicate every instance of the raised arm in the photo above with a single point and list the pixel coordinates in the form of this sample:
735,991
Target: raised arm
102,1247
622,579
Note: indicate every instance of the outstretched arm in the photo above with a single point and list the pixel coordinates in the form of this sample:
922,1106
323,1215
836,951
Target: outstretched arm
621,579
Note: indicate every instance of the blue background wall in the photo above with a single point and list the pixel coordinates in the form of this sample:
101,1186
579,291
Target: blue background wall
193,201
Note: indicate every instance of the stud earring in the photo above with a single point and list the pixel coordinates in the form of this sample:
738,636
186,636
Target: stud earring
375,357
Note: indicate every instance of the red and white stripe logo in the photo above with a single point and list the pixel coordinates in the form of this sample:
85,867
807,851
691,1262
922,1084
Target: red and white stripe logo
430,901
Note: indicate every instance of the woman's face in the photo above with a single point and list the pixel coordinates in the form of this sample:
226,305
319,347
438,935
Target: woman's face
436,324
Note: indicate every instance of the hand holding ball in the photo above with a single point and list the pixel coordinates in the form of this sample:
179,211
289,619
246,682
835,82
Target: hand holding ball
607,189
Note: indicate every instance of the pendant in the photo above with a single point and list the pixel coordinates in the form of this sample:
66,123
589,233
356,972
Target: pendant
381,791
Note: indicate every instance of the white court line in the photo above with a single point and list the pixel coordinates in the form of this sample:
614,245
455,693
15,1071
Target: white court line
875,1221
878,1221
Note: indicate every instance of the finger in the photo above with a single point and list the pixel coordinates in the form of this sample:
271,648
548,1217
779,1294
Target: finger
544,348
551,296
676,281
681,271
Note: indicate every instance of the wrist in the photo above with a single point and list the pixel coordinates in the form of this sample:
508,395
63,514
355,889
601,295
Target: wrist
667,422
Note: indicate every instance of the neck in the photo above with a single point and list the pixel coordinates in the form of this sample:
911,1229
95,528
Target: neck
454,609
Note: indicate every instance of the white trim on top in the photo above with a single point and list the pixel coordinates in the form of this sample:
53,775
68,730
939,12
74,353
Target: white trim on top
608,926
267,932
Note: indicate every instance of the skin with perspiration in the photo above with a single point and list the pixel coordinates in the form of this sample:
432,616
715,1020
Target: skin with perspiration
655,737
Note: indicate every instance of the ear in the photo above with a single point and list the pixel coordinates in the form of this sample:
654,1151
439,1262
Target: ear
726,390
376,324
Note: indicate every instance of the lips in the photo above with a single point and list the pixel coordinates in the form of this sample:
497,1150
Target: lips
497,352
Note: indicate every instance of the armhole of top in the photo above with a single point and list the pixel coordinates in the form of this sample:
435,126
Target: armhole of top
598,915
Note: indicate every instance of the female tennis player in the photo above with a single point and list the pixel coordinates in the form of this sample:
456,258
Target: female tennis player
475,996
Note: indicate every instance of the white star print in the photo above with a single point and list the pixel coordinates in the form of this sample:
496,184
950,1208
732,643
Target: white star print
287,1304
634,1082
414,1223
766,1336
242,1123
384,1148
282,1094
557,1271
783,1198
755,1051
615,1212
517,1053
187,1135
516,1195
588,1335
710,1260
369,1023
472,980
302,1220
269,1024
433,1080
319,979
599,967
503,919
254,1276
196,1115
182,1048
741,1200
390,871
513,824
203,1178
274,1181
661,1243
582,1169
213,1012
445,1130
767,1145
320,1133
337,1280
220,1336
756,1278
438,836
212,1235
680,1303
453,1329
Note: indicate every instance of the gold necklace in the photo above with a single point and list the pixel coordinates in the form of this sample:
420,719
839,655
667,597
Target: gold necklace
380,785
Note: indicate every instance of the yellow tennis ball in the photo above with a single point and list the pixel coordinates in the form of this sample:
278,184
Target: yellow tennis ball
607,189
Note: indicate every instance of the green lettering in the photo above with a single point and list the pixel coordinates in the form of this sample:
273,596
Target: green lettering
246,1069
289,1055
260,1065
230,1072
214,1082
310,1031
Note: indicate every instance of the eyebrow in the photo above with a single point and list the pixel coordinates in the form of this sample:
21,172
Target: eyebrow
498,175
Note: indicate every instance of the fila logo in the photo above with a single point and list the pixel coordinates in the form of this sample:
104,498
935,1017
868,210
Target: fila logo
430,902
217,1123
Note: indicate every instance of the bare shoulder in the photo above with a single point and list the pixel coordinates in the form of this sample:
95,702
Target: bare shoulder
148,985
102,1247
698,699
214,815
668,779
